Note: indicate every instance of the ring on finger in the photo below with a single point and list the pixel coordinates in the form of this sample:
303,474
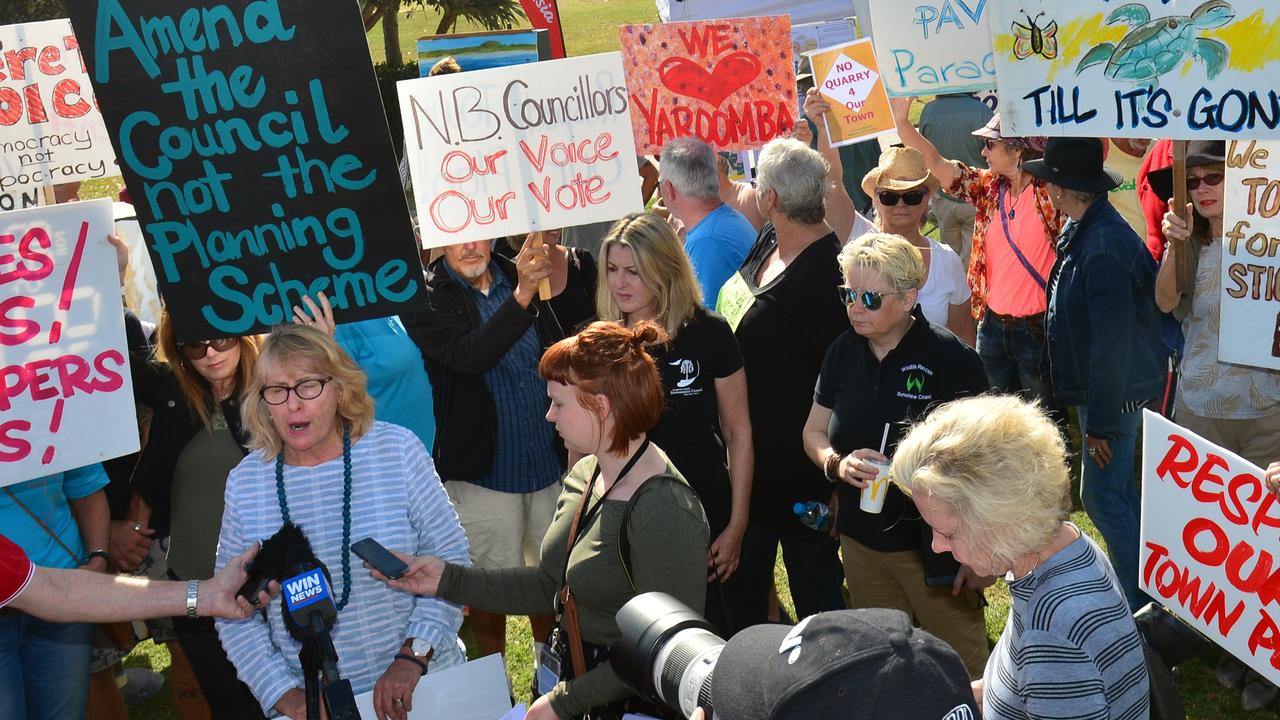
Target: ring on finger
398,701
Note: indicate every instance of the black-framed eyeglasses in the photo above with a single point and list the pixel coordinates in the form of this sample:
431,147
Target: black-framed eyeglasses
1210,179
308,389
911,197
871,299
197,350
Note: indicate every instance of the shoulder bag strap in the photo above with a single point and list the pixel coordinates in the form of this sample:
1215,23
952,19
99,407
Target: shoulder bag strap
1004,222
568,615
43,526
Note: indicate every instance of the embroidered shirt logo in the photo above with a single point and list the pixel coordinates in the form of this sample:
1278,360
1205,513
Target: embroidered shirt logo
917,376
690,371
915,383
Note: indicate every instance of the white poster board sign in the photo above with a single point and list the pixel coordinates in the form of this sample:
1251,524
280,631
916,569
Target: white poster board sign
1210,542
516,149
939,46
66,399
1181,69
1249,332
51,131
476,690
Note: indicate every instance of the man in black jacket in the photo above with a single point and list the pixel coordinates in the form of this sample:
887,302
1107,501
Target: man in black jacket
481,339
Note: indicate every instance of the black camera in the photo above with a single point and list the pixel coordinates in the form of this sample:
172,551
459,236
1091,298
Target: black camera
667,652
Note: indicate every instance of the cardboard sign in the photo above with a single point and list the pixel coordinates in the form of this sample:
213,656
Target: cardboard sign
476,690
1181,69
1211,542
731,82
1249,331
848,77
257,156
484,50
511,150
50,129
940,46
66,399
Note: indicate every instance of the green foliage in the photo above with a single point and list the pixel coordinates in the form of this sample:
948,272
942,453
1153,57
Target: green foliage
22,11
388,75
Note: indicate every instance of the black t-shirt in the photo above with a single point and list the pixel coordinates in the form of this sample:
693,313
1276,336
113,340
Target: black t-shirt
930,366
783,329
689,430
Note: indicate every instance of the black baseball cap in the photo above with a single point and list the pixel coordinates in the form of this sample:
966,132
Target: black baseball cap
842,665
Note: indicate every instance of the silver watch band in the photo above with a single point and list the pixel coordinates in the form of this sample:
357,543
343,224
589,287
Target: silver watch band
193,588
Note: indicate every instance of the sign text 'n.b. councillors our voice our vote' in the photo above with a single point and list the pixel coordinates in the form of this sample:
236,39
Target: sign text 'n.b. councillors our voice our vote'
509,150
262,172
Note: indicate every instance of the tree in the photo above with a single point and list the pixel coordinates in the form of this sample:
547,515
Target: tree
22,11
488,14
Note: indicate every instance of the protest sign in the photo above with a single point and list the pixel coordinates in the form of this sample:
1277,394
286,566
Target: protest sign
1249,331
1210,542
940,46
484,50
19,199
1181,69
510,150
848,77
731,82
807,37
66,399
50,129
253,142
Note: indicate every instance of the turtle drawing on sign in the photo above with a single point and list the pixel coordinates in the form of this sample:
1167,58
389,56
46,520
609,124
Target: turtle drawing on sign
1154,47
1035,39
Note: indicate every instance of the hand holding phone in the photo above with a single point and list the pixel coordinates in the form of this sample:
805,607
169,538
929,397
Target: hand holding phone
381,559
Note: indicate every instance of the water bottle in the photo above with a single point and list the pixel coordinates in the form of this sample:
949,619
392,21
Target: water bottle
814,514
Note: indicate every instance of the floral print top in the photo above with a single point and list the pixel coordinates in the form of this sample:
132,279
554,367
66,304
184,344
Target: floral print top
981,188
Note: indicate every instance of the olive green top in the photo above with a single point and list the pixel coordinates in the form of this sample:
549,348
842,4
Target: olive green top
199,484
669,537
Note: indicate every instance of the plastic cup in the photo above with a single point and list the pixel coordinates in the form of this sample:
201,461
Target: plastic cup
874,493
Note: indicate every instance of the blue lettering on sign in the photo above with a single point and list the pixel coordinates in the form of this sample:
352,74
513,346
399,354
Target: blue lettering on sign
305,589
966,72
945,14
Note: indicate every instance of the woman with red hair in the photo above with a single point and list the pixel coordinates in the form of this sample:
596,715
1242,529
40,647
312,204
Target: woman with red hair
626,523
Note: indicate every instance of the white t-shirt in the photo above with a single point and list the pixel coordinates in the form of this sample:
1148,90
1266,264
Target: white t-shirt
945,286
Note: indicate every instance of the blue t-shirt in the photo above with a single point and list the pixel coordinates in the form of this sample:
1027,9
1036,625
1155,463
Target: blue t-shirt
47,498
397,378
717,246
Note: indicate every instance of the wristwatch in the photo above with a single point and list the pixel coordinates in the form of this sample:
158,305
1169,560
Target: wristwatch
193,591
99,553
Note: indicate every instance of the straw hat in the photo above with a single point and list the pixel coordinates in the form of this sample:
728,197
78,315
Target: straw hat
900,168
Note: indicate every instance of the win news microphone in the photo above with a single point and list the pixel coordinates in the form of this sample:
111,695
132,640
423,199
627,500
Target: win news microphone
308,606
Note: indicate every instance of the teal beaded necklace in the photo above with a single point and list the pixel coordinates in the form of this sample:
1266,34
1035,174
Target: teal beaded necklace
346,509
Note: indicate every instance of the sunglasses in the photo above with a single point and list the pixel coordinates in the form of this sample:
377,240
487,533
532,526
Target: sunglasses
195,351
871,299
1210,180
308,389
910,197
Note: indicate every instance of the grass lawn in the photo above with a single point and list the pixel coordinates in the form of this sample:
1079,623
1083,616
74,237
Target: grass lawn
591,27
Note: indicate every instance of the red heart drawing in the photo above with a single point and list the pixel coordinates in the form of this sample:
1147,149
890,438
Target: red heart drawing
732,73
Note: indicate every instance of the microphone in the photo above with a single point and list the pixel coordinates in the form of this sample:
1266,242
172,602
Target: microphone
308,606
271,563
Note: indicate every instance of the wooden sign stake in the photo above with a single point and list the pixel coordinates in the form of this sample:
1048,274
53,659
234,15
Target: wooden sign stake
1184,283
544,285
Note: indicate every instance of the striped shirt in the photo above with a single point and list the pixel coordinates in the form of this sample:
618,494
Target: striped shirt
524,450
1070,648
397,499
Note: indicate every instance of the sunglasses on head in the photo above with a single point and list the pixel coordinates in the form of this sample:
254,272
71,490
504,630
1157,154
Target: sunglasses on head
910,197
871,299
1210,180
195,351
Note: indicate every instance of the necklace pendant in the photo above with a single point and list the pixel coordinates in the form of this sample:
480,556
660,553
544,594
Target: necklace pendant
1011,212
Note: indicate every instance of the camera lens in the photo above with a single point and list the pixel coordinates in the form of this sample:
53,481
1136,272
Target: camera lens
667,652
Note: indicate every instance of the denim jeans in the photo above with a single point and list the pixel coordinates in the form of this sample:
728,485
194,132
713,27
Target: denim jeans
1114,503
1014,359
44,668
813,567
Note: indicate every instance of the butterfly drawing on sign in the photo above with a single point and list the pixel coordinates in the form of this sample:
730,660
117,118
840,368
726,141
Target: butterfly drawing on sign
1035,39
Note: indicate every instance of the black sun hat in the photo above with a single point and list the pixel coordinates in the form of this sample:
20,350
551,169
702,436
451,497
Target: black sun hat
1075,164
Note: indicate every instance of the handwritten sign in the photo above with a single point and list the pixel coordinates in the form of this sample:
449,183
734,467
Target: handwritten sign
509,150
50,129
1182,69
63,358
484,50
940,46
1211,542
1249,332
253,142
849,78
731,82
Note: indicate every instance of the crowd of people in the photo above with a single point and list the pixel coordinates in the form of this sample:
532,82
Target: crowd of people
695,375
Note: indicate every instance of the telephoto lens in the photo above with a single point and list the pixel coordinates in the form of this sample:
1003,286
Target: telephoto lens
667,652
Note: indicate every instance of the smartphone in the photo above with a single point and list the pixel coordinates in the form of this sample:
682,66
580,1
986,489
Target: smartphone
372,552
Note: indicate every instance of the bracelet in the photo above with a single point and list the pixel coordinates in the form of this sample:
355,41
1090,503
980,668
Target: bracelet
193,590
98,554
831,465
414,660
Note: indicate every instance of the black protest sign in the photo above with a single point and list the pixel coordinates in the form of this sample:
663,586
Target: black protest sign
253,141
